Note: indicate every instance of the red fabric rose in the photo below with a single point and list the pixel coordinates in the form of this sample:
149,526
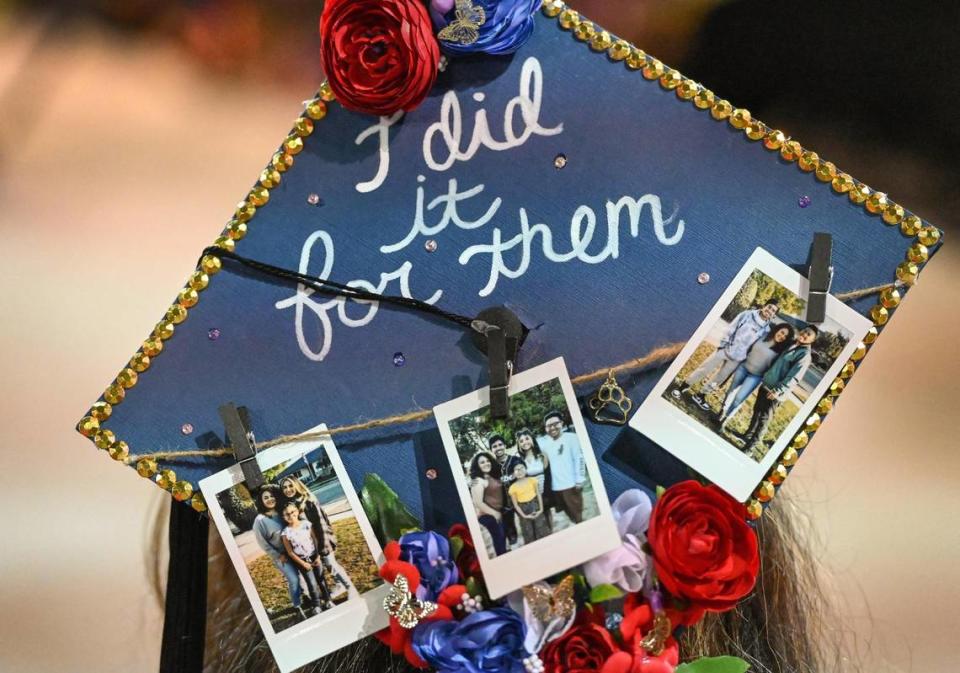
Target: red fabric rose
379,56
583,649
396,637
467,562
703,550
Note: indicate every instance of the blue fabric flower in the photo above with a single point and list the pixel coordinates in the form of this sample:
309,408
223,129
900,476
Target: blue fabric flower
490,641
430,554
507,25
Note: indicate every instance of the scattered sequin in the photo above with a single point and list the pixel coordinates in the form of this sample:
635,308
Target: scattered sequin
430,245
703,278
314,200
431,474
399,359
560,161
186,429
613,621
213,334
804,201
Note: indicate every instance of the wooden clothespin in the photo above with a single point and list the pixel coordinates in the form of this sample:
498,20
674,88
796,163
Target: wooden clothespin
236,421
820,277
500,335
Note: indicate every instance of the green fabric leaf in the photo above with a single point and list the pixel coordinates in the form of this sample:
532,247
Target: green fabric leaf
388,516
660,491
456,546
715,665
604,592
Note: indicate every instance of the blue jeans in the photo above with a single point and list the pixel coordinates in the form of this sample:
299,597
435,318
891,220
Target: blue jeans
496,532
742,385
292,575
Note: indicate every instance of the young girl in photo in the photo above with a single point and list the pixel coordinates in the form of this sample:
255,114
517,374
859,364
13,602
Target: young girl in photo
525,494
295,491
303,548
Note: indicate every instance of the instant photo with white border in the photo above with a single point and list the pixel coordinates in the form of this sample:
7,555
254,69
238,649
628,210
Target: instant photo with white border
708,452
559,550
335,627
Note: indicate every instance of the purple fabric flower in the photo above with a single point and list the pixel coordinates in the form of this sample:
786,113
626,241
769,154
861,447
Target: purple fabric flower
430,554
489,641
507,25
626,566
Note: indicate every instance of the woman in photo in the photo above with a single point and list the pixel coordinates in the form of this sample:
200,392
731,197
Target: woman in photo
302,544
296,491
488,497
537,466
528,503
268,532
750,372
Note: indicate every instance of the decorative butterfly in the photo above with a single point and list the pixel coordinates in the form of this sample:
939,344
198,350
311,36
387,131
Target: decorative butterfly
404,606
656,640
464,29
547,605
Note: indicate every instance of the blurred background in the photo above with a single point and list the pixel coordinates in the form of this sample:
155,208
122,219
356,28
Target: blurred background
122,120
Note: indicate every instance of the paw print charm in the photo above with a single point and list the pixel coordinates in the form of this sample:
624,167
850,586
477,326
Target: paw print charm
610,404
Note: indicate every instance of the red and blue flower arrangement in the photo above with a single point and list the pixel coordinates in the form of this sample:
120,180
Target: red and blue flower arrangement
382,56
690,552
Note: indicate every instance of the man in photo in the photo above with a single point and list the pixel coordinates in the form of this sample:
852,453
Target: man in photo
745,330
507,461
567,474
786,370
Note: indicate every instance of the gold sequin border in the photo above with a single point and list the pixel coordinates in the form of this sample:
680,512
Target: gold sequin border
92,425
923,235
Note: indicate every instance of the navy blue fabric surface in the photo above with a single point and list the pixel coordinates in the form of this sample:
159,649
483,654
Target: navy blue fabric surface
622,136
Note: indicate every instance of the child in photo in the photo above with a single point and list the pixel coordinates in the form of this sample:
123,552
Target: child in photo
527,501
302,545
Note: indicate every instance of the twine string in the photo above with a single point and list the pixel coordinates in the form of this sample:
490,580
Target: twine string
657,356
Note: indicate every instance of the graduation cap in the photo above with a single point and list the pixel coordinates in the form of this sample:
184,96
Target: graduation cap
601,197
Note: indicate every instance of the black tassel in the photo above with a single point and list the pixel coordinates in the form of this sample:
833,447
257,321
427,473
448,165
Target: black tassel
185,619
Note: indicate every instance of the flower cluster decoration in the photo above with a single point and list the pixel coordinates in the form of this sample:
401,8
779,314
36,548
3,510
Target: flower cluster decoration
689,552
382,56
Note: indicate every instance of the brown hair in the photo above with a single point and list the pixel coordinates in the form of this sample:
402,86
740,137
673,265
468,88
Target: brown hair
788,624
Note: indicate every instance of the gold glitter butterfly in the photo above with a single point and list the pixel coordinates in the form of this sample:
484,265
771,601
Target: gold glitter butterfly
656,640
613,399
547,605
407,608
465,28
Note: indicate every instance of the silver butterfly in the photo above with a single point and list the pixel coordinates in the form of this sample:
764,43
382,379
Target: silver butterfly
404,606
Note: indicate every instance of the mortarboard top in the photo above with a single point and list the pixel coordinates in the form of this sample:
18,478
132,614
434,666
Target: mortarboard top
599,122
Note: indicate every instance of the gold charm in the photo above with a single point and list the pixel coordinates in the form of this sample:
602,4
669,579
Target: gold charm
612,398
404,606
656,641
464,29
547,605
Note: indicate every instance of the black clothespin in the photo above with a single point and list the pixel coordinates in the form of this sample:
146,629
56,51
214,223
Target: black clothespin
498,332
236,421
820,277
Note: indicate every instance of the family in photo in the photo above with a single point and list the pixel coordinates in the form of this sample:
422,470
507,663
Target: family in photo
757,366
294,531
526,482
300,540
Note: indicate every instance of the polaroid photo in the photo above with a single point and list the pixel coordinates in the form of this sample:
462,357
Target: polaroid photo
749,376
304,550
529,484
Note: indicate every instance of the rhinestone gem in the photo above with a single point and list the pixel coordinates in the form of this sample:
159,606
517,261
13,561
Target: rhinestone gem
146,467
789,457
560,161
119,450
790,150
929,235
653,69
804,201
703,278
619,50
636,59
918,253
911,225
613,621
166,479
431,474
876,202
740,118
890,298
754,509
766,491
213,333
778,474
721,110
314,200
88,426
430,245
704,99
182,490
399,359
893,213
842,184
186,429
198,503
808,161
859,193
774,140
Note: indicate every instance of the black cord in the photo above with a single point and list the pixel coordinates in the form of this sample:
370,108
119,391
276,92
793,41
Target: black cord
333,289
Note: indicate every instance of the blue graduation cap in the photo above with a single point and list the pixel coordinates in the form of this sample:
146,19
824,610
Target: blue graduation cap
579,182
